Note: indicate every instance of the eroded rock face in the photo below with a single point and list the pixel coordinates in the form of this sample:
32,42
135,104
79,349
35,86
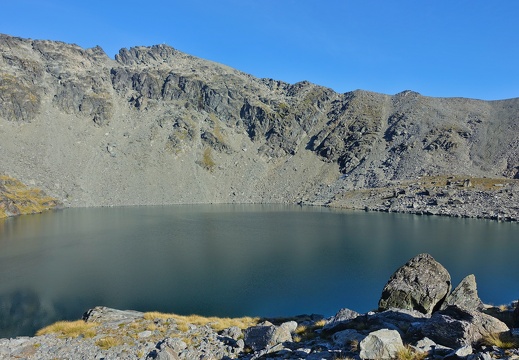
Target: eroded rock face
465,295
421,284
456,327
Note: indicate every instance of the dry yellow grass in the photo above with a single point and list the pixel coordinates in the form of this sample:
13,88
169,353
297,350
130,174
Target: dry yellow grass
320,323
307,332
108,342
409,353
501,340
215,323
70,329
458,180
207,159
25,200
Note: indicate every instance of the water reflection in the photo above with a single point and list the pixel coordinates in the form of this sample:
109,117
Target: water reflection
22,312
235,260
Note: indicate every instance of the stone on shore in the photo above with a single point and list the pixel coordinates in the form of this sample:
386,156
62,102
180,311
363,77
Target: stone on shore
381,344
456,327
267,334
421,284
465,295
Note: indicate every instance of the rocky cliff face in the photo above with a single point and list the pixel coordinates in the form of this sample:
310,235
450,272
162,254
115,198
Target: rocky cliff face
157,126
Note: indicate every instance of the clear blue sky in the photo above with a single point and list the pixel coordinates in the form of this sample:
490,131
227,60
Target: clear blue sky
467,48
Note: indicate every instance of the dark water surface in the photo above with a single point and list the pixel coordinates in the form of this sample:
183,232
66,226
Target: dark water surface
229,260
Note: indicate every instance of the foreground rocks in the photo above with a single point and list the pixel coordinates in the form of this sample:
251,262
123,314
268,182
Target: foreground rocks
460,329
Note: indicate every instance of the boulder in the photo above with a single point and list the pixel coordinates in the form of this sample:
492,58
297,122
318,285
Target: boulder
233,332
465,295
266,335
393,319
421,284
456,327
381,344
342,316
104,314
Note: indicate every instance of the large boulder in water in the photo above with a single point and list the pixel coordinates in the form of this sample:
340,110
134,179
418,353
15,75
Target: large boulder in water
421,284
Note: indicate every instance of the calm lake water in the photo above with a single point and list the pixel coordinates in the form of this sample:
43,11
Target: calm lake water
232,260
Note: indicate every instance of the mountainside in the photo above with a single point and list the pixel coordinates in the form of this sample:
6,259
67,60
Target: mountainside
157,126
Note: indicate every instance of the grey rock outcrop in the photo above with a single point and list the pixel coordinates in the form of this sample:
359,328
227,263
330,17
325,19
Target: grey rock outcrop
465,295
110,316
381,344
456,327
421,284
342,316
267,335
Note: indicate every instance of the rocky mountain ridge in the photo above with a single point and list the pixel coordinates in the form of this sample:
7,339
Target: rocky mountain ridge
157,126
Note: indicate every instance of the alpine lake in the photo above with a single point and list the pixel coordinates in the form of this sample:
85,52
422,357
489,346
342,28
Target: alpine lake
233,260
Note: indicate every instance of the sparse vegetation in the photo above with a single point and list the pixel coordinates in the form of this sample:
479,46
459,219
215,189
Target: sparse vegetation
108,342
18,199
207,159
501,340
215,323
70,329
407,352
308,332
354,345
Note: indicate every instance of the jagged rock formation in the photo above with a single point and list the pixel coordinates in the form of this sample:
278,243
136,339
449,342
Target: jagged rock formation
465,295
157,126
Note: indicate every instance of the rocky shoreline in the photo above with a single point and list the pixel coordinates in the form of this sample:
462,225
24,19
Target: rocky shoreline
419,317
453,196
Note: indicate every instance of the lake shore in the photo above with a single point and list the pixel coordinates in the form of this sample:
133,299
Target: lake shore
453,196
452,326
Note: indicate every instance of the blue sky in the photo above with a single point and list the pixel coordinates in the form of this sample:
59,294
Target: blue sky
442,48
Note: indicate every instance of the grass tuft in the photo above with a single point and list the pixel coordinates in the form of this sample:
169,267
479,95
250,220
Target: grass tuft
215,323
16,198
70,329
407,352
207,159
501,340
108,342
